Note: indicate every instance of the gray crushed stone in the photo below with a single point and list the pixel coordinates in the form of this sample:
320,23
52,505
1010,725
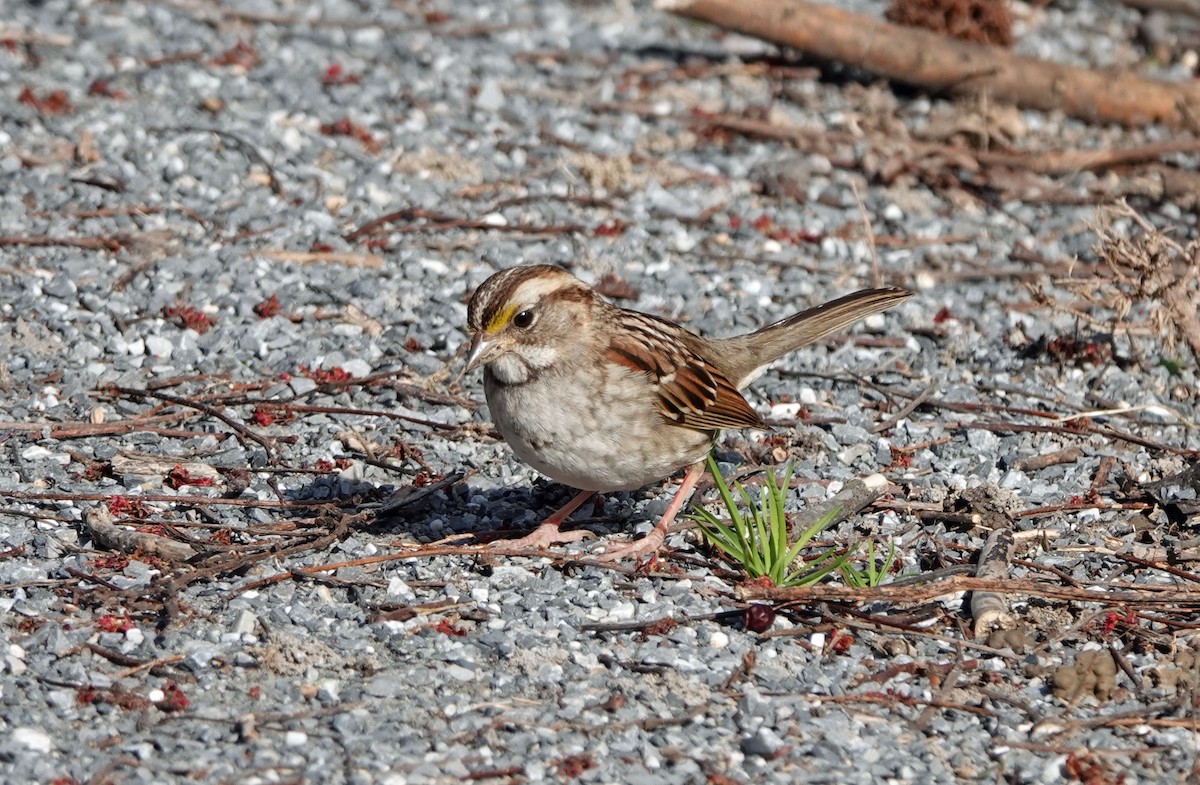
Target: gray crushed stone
203,143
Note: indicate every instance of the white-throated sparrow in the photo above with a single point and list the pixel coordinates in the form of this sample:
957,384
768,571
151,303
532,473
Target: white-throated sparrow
601,398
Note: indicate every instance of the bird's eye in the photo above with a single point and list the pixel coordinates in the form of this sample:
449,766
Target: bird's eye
523,319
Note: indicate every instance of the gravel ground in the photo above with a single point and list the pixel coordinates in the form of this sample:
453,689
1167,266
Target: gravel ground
209,336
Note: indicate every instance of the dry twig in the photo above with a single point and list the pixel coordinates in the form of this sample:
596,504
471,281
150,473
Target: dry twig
944,65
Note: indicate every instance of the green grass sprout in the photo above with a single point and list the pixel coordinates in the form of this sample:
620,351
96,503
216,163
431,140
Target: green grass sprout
755,536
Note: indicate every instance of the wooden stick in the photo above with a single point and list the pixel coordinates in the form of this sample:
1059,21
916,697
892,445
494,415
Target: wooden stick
1150,594
945,65
988,608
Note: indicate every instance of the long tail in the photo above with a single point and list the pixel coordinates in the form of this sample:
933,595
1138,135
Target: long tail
748,354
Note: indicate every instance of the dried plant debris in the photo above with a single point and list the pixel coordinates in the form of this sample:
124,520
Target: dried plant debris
1079,350
1148,284
1093,673
987,506
981,21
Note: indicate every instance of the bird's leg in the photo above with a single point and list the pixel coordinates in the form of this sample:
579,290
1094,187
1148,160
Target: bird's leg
654,540
547,533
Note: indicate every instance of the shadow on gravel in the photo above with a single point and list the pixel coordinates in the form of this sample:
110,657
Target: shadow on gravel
453,506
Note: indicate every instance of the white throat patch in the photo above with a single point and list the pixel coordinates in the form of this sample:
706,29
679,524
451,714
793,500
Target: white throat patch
515,367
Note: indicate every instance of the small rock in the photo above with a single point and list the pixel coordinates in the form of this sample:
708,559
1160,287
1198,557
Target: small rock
301,385
357,367
490,97
764,742
34,452
399,590
158,346
245,623
329,691
385,685
34,739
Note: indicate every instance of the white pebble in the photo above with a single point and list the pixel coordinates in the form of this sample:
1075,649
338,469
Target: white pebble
15,666
622,611
329,690
35,452
32,739
157,346
435,266
490,97
718,640
245,623
400,590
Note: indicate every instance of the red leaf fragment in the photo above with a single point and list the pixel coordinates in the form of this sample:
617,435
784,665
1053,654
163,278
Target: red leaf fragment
54,103
179,477
446,628
112,623
189,317
345,127
613,228
572,766
174,699
268,307
334,375
240,54
115,562
130,508
336,75
102,88
660,627
262,417
840,642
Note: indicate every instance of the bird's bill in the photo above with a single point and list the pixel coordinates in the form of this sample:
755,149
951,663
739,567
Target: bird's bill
481,348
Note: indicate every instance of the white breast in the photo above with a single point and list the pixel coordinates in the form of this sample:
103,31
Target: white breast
556,425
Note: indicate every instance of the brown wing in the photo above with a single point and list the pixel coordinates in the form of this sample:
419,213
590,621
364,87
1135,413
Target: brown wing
691,391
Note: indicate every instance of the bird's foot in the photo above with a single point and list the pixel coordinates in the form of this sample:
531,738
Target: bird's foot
542,537
548,533
649,545
646,546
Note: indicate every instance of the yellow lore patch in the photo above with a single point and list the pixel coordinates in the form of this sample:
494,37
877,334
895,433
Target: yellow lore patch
500,319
